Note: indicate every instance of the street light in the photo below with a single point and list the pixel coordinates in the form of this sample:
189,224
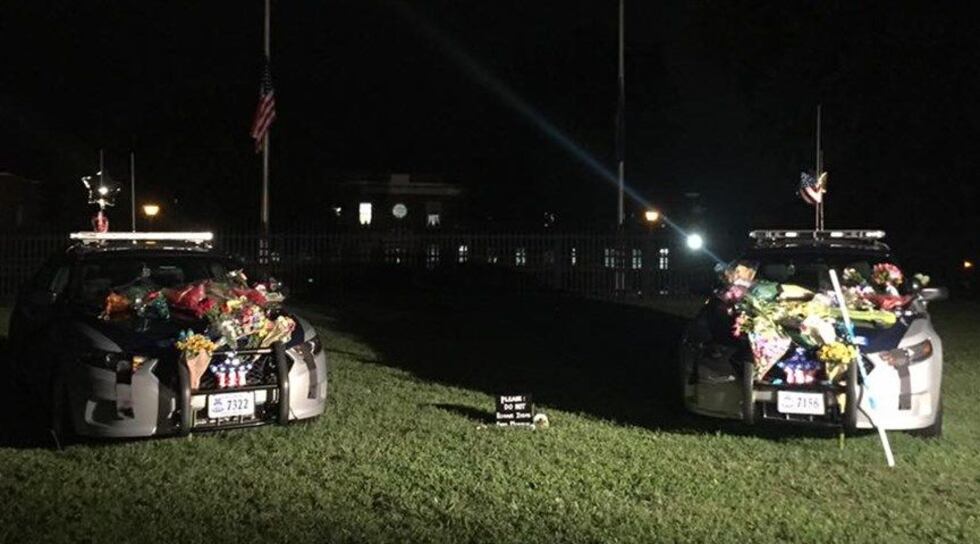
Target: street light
151,211
695,241
652,216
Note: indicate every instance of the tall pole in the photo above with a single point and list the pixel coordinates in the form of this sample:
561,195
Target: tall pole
621,116
102,167
818,209
132,186
265,144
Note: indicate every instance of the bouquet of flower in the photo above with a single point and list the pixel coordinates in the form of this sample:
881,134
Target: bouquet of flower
836,356
196,350
887,274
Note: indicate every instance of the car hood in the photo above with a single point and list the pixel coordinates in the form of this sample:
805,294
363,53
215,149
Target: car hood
875,339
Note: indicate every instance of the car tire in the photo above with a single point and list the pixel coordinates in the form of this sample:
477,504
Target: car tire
184,400
932,431
59,421
748,394
683,371
852,400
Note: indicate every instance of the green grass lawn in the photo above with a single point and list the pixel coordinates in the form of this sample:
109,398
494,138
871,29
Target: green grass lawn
404,453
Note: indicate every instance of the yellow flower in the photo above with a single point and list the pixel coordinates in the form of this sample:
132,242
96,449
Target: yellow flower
195,343
836,356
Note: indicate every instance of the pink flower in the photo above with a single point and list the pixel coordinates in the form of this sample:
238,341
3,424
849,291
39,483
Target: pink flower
887,274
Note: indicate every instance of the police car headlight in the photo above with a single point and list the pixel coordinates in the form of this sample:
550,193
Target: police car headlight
315,345
909,354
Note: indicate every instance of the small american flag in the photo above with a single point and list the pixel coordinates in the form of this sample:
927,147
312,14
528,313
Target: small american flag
265,113
811,188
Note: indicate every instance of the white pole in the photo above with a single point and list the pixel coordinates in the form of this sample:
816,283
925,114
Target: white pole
818,210
621,112
265,144
889,458
132,186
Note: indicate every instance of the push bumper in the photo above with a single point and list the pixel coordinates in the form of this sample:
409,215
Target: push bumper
100,406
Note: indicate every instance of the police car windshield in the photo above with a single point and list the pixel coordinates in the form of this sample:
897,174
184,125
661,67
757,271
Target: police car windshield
94,278
810,269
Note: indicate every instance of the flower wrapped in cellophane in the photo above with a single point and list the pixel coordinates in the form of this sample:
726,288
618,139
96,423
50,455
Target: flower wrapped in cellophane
196,350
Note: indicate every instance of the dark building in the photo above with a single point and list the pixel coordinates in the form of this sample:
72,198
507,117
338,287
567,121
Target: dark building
413,202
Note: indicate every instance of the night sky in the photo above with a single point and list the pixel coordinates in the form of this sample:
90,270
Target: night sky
721,100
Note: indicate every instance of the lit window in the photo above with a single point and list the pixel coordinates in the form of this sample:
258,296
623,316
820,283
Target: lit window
637,259
664,261
364,213
394,254
609,257
432,220
574,256
520,256
491,256
464,253
432,256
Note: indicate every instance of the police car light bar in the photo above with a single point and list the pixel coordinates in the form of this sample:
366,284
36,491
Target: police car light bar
195,237
817,234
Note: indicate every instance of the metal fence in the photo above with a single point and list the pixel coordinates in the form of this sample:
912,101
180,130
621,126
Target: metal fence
600,265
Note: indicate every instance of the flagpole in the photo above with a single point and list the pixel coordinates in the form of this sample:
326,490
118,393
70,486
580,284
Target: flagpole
265,143
818,209
132,186
620,111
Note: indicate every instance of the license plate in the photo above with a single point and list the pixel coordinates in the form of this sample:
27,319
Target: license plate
231,404
794,402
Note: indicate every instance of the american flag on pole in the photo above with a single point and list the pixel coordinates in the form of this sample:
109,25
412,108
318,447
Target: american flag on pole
265,113
811,188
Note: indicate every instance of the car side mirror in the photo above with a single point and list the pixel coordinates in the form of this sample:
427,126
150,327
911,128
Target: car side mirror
278,286
931,294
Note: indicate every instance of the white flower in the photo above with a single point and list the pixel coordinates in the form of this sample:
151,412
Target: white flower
541,421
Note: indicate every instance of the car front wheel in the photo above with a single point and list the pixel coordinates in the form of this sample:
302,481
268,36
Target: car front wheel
59,421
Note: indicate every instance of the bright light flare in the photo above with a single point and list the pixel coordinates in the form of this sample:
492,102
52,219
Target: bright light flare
151,210
652,216
695,241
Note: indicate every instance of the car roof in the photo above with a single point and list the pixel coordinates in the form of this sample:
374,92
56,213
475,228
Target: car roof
818,249
89,253
821,240
99,244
